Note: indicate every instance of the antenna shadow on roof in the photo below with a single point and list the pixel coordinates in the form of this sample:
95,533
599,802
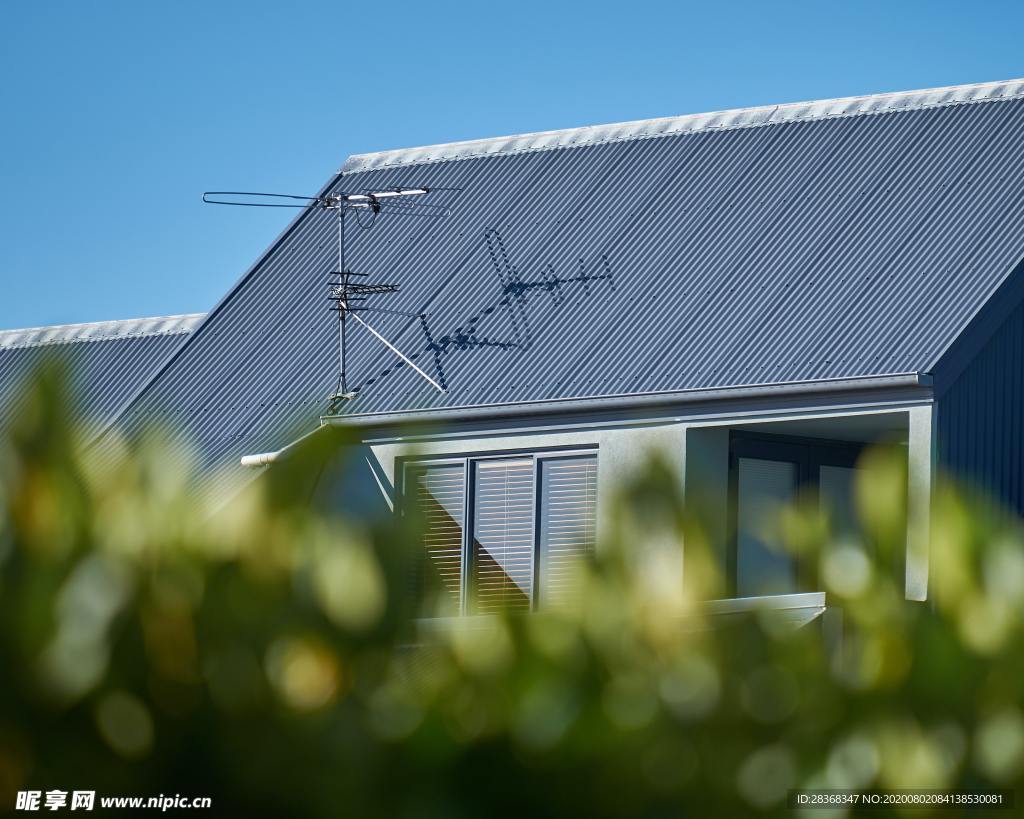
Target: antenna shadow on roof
513,301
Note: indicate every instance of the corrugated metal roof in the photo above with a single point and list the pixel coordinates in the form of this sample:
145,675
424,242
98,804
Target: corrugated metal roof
108,360
830,240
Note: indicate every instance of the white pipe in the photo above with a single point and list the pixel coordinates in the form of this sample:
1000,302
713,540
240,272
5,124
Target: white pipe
267,458
262,459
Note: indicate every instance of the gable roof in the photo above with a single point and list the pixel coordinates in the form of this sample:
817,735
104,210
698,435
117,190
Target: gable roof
108,360
841,239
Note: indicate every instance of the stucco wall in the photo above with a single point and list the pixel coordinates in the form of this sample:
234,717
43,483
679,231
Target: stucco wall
694,446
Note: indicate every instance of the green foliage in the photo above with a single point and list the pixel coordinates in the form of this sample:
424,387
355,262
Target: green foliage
155,639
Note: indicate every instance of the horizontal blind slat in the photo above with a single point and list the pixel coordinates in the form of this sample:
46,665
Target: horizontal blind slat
568,522
439,495
503,534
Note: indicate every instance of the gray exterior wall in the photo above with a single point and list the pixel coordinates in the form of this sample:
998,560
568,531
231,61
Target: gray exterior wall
692,441
981,418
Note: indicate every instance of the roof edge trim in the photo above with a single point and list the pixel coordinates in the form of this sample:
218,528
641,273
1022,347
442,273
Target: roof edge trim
688,123
561,405
978,330
225,299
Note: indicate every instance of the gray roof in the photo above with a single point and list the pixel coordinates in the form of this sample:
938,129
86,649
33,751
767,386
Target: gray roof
840,239
109,360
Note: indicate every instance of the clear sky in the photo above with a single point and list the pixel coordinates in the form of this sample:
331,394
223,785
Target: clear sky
116,116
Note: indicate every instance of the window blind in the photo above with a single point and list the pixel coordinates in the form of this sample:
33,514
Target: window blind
568,522
439,495
503,534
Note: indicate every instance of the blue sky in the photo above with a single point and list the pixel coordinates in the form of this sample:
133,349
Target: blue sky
118,115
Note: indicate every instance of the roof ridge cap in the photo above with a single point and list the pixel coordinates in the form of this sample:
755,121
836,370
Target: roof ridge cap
17,338
686,123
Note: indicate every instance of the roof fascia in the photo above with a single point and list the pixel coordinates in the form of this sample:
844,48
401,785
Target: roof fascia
793,393
884,392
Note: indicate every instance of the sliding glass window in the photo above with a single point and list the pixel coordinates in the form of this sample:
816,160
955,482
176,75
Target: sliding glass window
769,473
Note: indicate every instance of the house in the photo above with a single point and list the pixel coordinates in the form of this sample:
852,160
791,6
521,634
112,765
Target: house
108,361
756,295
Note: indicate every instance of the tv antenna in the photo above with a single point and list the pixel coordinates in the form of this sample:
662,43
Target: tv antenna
345,294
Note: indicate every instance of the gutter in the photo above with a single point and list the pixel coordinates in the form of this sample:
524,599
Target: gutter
567,405
641,401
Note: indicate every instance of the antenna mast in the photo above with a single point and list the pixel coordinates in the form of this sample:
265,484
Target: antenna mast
345,293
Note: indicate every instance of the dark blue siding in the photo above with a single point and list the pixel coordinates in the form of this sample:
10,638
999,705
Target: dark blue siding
981,418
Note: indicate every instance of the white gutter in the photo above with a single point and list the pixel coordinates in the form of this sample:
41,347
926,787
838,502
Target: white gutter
554,406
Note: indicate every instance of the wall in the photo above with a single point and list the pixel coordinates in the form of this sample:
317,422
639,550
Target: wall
981,418
693,442
354,485
707,484
623,452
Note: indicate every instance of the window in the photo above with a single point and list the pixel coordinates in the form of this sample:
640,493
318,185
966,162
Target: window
501,562
439,495
531,518
762,486
568,521
767,472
